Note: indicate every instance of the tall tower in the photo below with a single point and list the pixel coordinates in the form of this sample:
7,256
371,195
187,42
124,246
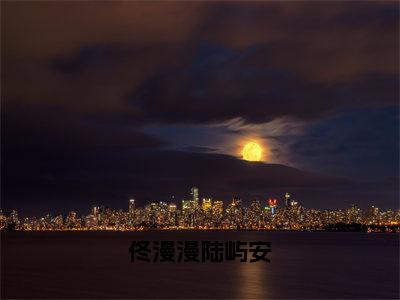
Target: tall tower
131,205
95,210
287,199
194,192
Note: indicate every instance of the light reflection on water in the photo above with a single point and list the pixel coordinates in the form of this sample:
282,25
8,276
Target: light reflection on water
252,280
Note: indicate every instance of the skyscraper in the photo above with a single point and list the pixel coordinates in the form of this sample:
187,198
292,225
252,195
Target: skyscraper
194,192
186,206
71,220
353,214
287,199
218,207
272,205
172,207
373,214
131,205
237,202
207,204
95,210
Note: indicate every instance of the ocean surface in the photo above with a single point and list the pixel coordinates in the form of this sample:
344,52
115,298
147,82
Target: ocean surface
97,265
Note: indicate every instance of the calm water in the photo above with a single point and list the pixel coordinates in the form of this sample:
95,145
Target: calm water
97,265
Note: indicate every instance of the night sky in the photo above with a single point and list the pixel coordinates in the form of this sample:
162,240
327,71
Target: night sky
102,102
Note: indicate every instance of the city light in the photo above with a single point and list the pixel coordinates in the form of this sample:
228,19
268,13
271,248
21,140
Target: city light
211,215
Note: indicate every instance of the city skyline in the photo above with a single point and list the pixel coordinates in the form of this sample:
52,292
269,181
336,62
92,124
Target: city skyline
280,201
211,214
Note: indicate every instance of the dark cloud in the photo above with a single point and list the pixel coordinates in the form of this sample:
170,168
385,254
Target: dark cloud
362,143
217,87
50,130
82,81
202,62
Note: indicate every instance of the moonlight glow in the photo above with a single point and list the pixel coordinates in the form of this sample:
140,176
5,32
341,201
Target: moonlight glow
252,151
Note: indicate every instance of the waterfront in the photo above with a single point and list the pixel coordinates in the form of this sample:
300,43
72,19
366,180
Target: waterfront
97,265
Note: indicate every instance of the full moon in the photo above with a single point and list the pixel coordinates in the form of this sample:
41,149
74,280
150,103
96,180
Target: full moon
252,152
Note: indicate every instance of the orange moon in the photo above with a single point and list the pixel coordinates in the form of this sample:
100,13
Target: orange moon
252,152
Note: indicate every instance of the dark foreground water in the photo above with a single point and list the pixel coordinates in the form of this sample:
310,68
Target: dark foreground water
97,265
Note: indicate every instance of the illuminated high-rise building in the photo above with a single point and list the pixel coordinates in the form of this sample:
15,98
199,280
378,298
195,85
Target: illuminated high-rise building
194,192
90,221
272,204
95,210
217,213
255,205
206,204
163,204
173,215
172,207
353,214
71,220
373,214
72,216
237,202
58,221
186,205
218,207
14,217
287,199
131,205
